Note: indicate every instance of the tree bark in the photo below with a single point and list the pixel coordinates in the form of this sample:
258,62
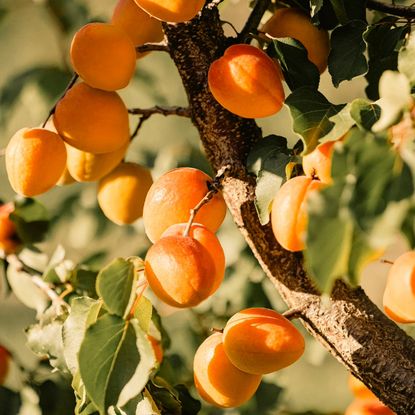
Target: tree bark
351,327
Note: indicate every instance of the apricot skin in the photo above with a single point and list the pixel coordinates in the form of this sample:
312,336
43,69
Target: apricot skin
89,167
7,228
104,56
359,389
92,120
317,164
368,407
289,211
121,193
399,294
180,271
209,241
292,22
172,10
217,380
35,160
137,24
4,363
173,195
260,341
247,82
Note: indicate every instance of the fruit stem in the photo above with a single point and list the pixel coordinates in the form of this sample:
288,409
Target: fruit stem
215,330
157,46
68,87
293,313
387,261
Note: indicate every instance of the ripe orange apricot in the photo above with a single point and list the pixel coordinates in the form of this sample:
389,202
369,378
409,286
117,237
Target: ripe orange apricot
4,363
7,227
35,159
260,341
173,195
92,120
122,192
65,178
247,82
359,389
138,24
368,407
399,294
317,164
289,211
209,240
89,167
104,56
158,351
293,22
180,271
217,380
172,10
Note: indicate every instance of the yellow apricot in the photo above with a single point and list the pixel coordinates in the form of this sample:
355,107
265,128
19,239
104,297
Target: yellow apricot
289,211
180,271
399,294
317,164
359,389
247,82
65,178
4,363
89,167
209,241
173,195
35,159
368,407
138,24
92,120
122,192
293,22
104,56
217,380
259,341
172,10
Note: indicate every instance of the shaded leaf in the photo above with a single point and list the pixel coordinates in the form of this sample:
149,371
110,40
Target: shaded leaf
365,113
84,281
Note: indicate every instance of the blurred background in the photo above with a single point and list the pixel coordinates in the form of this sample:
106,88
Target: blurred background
34,69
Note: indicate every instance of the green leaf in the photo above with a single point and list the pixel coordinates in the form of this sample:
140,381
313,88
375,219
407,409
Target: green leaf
346,58
84,312
298,70
406,59
116,286
31,219
340,10
382,40
115,360
190,405
143,312
84,281
311,113
365,113
342,121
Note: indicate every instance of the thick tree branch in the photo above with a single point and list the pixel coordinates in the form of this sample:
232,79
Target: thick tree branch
352,328
254,19
395,9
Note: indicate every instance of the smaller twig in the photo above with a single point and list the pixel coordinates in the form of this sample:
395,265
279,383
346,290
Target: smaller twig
254,19
159,109
68,87
394,9
387,261
69,289
149,47
294,313
193,212
215,330
231,25
139,125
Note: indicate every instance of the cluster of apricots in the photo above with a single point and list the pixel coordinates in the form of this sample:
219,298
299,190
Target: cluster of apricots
248,83
9,241
365,402
228,366
289,207
186,264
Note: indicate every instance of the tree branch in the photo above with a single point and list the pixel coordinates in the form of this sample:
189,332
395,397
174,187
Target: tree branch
159,109
395,9
351,327
149,47
254,19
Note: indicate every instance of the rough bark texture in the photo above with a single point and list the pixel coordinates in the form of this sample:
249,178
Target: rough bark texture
352,328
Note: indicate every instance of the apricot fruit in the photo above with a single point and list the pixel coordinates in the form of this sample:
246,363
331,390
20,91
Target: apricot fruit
317,164
260,341
172,10
137,24
89,167
35,160
7,227
4,363
399,294
180,270
121,193
359,389
208,240
293,22
104,56
217,380
92,120
65,178
368,407
289,211
158,351
247,82
173,195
